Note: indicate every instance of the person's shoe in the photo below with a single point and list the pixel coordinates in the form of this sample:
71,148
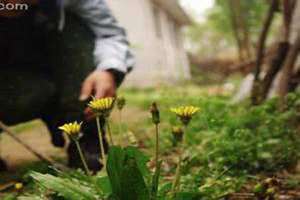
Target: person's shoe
89,144
3,166
57,139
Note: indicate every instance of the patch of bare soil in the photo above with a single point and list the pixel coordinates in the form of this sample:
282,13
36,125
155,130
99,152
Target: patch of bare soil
37,137
130,115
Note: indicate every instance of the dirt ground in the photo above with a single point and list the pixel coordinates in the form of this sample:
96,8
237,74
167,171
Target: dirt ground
37,137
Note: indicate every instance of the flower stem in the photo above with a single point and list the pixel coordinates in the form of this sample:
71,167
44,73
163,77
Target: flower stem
176,182
103,158
156,146
124,135
109,132
0,143
82,158
120,121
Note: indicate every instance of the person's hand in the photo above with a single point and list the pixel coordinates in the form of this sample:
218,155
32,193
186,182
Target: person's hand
100,84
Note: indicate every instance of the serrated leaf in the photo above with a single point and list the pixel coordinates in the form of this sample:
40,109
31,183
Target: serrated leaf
126,178
33,197
141,159
134,186
64,187
115,161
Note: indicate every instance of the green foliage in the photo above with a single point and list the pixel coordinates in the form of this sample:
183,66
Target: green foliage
227,145
10,197
66,187
259,138
253,12
215,34
125,175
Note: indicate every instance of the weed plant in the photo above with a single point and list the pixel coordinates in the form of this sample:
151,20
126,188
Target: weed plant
225,146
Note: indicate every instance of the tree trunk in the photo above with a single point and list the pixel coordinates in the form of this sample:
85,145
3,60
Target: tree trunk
288,11
235,28
256,90
246,42
287,71
295,80
244,29
274,68
282,50
241,15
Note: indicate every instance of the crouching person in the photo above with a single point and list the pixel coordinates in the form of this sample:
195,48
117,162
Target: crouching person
53,57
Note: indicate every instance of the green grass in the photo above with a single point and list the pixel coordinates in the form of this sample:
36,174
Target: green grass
238,141
226,145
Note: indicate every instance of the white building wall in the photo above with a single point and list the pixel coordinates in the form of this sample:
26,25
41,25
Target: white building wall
159,59
183,58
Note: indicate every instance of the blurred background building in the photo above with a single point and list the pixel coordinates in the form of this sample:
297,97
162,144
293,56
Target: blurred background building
154,28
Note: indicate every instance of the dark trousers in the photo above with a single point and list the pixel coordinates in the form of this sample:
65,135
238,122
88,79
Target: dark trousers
41,72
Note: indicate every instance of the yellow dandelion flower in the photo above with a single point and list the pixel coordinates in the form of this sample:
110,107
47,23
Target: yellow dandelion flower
185,113
19,186
71,129
102,106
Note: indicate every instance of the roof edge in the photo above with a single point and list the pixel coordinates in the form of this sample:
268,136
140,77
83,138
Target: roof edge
175,10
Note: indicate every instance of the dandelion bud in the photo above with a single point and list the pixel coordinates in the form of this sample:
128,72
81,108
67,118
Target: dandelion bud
177,133
121,102
155,113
